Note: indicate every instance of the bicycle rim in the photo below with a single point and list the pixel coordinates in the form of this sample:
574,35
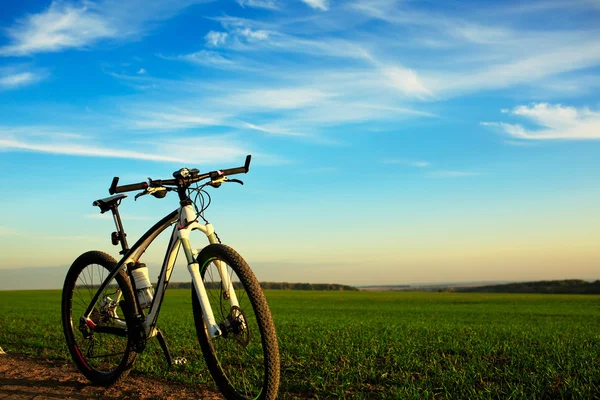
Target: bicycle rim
98,351
239,352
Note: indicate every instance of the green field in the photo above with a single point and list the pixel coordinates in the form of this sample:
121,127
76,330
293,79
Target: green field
377,345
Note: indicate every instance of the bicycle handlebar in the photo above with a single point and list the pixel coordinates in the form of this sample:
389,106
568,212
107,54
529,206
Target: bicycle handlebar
239,170
126,188
175,182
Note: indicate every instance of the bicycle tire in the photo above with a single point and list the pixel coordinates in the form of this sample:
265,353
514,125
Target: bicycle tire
78,290
257,317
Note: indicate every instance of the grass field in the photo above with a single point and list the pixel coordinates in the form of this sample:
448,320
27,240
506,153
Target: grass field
377,345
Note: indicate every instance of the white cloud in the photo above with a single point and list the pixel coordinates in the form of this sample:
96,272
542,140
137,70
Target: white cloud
406,81
141,71
480,34
303,104
267,128
537,65
553,116
554,121
76,25
470,54
281,98
18,79
318,4
268,4
215,39
253,37
79,150
207,58
60,26
175,119
194,150
253,34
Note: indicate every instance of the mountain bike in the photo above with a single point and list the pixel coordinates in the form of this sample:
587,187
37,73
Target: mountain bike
110,308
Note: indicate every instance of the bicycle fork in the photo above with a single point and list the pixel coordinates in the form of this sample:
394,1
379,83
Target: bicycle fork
228,291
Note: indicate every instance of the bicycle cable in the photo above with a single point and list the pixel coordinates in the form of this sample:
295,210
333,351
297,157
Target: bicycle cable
200,202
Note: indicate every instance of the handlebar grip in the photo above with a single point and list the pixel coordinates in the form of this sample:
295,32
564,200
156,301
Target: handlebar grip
233,171
239,170
129,188
113,185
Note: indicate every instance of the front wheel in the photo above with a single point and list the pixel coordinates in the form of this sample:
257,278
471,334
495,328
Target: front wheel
102,349
244,360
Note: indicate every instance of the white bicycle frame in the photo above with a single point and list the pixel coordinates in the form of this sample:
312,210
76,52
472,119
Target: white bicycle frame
186,222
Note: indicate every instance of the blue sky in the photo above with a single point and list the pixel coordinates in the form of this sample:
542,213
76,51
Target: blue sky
392,141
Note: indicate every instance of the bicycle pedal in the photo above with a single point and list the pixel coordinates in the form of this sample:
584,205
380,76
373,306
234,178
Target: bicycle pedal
179,361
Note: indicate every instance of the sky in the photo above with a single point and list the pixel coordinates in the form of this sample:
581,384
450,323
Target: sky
393,142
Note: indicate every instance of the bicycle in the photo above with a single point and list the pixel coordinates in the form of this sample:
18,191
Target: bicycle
110,309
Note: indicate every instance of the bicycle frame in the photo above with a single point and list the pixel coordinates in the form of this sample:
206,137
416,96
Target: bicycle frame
186,222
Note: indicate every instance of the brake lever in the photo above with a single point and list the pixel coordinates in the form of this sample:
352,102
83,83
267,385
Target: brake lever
218,182
140,194
158,192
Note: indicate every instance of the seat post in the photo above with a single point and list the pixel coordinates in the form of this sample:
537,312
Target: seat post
120,235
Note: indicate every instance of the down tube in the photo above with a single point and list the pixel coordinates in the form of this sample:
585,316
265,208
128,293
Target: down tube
163,281
133,255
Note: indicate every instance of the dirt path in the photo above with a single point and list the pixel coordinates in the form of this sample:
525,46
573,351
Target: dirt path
31,378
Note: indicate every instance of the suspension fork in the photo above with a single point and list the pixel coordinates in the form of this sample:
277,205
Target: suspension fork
226,284
194,270
187,213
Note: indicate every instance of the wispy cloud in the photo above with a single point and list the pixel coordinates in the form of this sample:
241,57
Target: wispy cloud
15,78
61,26
77,25
535,66
79,150
215,39
189,149
318,4
472,55
206,58
283,98
268,4
253,34
553,122
174,119
300,105
406,81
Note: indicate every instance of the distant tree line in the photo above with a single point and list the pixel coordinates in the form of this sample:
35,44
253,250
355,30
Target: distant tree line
567,286
306,286
273,286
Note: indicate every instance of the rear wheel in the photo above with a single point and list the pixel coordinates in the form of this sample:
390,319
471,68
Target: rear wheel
101,349
244,360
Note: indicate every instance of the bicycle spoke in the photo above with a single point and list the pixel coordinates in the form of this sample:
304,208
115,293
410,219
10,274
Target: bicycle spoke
237,357
103,346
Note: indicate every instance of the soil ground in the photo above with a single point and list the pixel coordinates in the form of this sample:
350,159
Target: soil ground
23,377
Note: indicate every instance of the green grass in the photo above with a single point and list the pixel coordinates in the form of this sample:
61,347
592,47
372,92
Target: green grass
377,345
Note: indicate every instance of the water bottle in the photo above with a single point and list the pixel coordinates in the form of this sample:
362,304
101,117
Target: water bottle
145,291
